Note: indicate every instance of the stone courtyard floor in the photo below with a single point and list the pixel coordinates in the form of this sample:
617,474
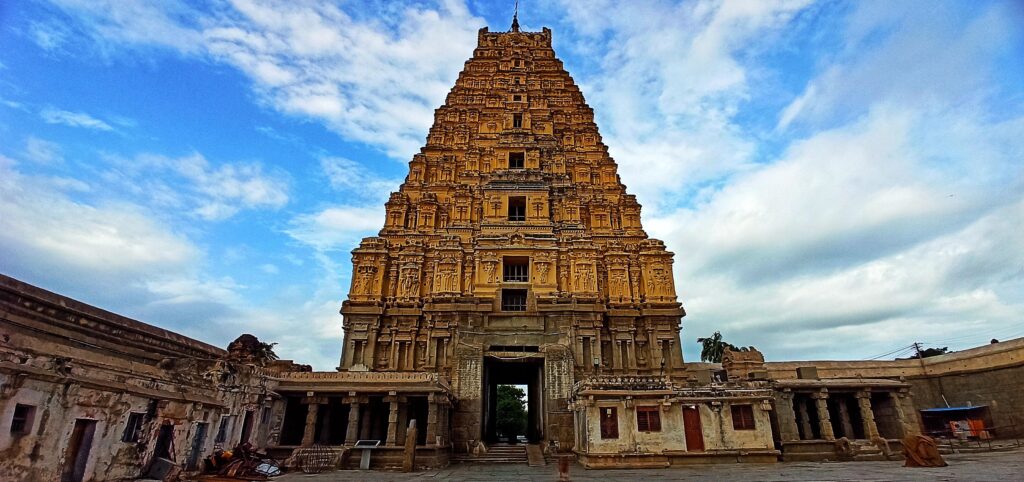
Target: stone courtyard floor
994,466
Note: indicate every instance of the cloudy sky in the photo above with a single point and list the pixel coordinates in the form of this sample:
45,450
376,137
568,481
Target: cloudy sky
837,180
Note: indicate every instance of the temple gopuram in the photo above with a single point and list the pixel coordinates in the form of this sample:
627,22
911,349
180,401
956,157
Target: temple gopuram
512,253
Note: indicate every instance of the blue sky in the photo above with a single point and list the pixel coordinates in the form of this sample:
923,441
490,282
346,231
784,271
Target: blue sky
837,179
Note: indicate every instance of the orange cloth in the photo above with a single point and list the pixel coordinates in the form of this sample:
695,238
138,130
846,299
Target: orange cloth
921,451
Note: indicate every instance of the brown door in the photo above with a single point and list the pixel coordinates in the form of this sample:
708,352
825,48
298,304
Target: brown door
77,455
694,432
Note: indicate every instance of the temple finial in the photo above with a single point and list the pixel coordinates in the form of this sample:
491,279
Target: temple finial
515,18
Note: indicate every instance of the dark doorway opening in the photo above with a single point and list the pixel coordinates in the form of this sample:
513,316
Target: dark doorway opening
294,424
77,456
332,422
246,427
196,453
527,373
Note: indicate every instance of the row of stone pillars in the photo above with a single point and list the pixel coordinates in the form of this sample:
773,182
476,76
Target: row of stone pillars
789,409
435,417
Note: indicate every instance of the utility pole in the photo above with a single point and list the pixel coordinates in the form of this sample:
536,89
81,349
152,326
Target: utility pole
924,371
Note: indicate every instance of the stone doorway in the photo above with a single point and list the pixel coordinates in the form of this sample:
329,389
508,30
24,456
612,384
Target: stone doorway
525,371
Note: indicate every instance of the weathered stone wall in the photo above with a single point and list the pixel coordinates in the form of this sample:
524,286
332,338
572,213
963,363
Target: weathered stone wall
990,375
1002,389
61,357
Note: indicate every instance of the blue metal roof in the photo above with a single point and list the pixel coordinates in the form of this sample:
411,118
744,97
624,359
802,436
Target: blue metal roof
952,409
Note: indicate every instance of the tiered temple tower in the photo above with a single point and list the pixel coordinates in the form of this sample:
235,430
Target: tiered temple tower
512,253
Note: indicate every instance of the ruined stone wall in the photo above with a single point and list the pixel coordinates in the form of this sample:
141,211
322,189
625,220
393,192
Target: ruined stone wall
66,374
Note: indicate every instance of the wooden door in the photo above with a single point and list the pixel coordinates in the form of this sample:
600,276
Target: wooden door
694,431
77,455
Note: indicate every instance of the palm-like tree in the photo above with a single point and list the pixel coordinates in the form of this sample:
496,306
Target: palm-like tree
712,348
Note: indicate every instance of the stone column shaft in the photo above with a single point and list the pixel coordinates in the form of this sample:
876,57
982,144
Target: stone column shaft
788,430
825,423
352,433
867,415
432,422
310,430
805,420
844,419
393,421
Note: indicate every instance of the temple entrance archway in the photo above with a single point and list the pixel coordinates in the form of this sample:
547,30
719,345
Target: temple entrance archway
527,371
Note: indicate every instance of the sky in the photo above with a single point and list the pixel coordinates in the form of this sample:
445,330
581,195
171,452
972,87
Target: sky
837,179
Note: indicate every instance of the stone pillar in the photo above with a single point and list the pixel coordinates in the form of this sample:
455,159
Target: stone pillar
901,416
824,422
631,354
432,420
392,419
844,419
313,404
788,430
866,414
616,353
805,420
352,433
393,355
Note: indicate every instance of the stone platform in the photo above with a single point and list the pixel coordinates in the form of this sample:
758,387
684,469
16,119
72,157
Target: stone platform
987,466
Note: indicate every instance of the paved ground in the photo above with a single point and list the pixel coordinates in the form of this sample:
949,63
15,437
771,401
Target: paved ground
992,466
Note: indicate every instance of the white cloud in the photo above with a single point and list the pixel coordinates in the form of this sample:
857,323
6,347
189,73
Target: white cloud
352,177
44,231
367,80
210,192
42,151
53,115
668,85
336,228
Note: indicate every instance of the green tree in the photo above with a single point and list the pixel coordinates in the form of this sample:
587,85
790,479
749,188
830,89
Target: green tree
511,416
713,347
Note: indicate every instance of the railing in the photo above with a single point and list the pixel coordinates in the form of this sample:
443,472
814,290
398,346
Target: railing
947,438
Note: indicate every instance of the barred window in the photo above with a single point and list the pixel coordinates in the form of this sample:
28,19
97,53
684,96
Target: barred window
516,160
517,121
515,269
742,417
517,208
513,300
133,428
24,416
648,419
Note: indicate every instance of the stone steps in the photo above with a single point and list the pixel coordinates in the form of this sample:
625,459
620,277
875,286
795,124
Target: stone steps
497,454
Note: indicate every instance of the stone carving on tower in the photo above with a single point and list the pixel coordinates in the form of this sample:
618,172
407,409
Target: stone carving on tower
512,228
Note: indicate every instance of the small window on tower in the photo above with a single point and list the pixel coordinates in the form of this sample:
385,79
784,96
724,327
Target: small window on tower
513,300
517,63
517,98
517,80
516,269
517,208
516,160
517,121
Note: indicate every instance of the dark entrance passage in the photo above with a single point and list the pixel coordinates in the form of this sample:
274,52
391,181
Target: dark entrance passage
77,455
526,371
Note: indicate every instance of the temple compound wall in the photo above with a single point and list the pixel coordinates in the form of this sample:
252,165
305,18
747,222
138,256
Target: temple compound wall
991,375
86,394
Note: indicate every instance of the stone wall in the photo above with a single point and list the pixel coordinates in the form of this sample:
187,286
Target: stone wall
62,362
990,375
